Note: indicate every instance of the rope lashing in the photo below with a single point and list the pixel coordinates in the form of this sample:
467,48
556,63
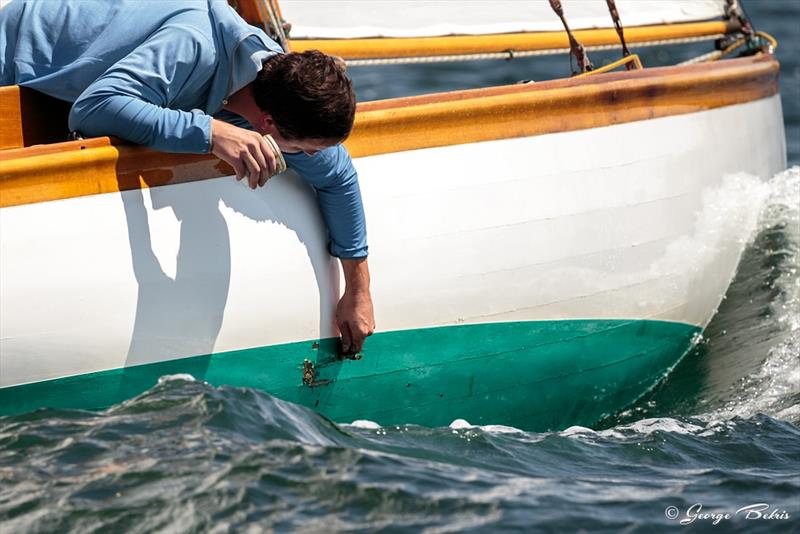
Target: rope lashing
576,48
612,8
758,42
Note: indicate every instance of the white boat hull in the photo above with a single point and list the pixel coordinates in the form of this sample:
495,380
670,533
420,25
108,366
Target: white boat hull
643,220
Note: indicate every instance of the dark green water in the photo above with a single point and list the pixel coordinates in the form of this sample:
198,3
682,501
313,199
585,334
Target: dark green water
721,432
187,457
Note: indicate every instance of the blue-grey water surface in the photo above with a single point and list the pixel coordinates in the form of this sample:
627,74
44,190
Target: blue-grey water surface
722,432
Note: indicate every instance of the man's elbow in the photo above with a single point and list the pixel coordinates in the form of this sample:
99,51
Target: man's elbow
76,122
87,121
98,117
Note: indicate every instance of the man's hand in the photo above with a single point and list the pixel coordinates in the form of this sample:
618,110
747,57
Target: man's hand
354,315
247,152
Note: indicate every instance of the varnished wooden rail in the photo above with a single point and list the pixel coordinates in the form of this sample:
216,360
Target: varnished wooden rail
64,170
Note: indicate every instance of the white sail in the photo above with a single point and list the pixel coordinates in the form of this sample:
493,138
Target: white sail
352,19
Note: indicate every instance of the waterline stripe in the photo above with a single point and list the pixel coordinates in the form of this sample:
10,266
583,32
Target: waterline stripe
535,375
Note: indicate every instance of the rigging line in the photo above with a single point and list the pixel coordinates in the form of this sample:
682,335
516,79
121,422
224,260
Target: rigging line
280,24
576,48
612,8
734,10
514,54
273,23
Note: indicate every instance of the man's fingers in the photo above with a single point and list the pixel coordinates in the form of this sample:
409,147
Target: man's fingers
265,150
253,169
257,151
269,161
356,336
247,152
270,156
267,173
239,169
356,344
346,338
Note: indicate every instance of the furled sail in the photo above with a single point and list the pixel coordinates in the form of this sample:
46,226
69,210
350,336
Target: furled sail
359,19
375,31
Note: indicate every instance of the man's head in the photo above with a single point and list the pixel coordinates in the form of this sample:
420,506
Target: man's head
307,96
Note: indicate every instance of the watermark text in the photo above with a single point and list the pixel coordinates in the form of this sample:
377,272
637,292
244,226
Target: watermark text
752,512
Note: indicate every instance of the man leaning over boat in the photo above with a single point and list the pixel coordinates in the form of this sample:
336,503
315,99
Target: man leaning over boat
194,77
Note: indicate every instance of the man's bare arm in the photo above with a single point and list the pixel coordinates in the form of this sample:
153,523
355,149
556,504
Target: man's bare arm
354,314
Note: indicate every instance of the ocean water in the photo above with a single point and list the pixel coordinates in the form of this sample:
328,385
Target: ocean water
720,435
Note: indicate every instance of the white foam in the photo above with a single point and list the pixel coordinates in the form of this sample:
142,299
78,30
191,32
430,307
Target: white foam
364,424
501,429
639,428
575,431
778,378
178,376
730,214
664,424
460,424
463,424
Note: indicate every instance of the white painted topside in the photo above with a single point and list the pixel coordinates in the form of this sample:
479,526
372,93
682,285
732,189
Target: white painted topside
644,220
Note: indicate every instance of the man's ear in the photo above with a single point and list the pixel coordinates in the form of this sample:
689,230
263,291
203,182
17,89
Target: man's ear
266,124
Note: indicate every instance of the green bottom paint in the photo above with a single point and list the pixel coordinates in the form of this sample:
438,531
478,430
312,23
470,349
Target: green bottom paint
542,375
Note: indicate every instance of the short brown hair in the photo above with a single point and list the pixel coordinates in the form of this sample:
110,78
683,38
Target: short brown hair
308,95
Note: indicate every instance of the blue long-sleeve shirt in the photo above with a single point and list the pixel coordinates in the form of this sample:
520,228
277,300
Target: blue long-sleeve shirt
154,73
